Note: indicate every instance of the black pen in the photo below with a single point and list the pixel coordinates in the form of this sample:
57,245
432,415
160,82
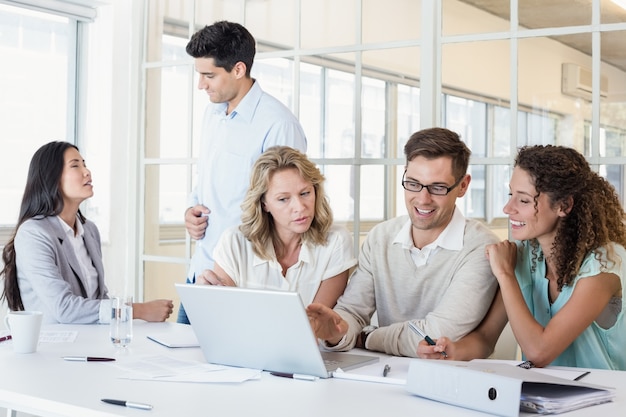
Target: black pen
427,338
87,359
294,376
127,404
581,376
3,338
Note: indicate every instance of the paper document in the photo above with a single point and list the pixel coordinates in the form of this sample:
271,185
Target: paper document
571,374
165,368
50,336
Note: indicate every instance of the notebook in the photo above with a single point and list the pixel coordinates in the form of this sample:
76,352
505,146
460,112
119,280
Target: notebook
260,329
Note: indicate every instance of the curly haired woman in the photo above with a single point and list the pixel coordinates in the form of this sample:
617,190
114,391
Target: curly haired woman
562,281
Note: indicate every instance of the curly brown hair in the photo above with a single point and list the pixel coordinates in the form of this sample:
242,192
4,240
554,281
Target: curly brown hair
596,217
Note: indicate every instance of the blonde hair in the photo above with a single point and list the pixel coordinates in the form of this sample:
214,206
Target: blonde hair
257,225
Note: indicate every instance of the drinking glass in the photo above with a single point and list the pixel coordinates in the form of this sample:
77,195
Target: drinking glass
121,320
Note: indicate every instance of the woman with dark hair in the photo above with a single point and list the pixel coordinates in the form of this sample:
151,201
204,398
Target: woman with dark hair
287,240
53,262
562,281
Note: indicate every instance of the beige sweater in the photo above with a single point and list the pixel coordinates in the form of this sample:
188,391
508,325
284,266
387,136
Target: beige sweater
448,296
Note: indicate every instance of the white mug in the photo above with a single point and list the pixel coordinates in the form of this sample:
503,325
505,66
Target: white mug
24,327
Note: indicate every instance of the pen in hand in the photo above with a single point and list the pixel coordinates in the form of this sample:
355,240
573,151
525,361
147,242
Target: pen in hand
427,338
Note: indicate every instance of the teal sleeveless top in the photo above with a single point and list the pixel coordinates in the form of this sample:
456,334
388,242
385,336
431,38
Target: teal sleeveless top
595,347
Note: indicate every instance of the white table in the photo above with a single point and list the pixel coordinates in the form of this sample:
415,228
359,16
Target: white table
44,384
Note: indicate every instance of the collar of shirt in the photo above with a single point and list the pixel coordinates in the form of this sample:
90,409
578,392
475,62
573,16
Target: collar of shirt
246,107
306,255
69,231
450,238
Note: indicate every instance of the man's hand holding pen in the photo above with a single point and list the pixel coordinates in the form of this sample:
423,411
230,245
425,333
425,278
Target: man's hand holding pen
436,351
441,350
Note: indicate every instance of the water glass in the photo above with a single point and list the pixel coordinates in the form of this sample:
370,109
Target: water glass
121,320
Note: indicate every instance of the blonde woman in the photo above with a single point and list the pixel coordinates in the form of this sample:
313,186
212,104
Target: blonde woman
287,240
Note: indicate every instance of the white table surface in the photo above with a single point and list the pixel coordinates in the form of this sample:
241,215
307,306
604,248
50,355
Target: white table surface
44,384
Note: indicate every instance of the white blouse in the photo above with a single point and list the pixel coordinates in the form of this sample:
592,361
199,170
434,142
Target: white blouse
315,264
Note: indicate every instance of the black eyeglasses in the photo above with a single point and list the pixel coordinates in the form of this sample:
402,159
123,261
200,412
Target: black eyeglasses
433,189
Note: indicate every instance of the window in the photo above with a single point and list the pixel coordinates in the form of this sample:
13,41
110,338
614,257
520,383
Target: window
37,104
356,87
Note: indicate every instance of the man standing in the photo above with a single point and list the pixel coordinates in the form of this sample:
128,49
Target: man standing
241,122
428,267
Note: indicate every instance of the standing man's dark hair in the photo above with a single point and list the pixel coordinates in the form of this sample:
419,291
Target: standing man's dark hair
226,42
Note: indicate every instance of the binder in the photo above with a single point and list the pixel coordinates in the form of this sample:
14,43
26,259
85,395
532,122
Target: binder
500,389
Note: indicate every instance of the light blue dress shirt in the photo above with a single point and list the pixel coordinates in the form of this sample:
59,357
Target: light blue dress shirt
229,147
595,347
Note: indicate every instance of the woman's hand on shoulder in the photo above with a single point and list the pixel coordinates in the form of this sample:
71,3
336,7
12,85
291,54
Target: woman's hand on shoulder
502,257
156,310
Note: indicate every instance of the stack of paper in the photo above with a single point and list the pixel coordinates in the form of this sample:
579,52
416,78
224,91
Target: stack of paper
553,399
168,369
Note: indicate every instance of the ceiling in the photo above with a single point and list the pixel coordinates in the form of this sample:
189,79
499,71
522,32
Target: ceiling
534,14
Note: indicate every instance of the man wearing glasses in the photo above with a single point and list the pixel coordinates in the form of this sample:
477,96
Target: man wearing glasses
428,267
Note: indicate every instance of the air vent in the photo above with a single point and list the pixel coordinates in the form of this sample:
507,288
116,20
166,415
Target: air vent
576,82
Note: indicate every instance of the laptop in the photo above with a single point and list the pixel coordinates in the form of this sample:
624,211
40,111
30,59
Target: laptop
260,329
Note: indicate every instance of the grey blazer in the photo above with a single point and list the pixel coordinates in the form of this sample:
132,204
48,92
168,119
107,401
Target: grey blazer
49,275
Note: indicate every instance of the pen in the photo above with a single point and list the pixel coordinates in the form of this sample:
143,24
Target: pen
427,338
87,359
581,376
3,338
127,404
386,370
294,376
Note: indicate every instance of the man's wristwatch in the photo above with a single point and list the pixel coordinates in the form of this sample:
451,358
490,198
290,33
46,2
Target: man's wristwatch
362,337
